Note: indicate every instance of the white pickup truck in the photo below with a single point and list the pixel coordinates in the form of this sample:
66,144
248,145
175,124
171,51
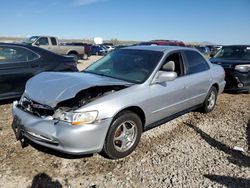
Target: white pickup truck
52,44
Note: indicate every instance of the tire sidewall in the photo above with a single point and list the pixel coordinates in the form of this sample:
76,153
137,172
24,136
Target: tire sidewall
206,103
109,148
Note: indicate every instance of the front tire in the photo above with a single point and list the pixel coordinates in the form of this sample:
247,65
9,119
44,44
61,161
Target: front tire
123,136
210,100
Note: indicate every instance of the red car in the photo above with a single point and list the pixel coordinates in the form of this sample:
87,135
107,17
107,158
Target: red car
164,43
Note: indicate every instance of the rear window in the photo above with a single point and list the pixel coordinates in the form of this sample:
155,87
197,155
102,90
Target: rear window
195,62
16,54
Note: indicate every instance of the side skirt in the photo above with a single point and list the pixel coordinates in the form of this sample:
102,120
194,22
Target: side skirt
169,118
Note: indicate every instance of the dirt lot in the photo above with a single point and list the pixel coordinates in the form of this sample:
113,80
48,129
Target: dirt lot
195,150
84,63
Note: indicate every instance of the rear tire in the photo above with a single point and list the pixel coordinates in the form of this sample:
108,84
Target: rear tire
123,136
210,100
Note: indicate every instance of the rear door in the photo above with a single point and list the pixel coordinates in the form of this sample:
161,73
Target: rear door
198,77
16,67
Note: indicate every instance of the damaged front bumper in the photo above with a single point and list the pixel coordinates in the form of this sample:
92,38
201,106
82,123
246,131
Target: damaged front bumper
58,135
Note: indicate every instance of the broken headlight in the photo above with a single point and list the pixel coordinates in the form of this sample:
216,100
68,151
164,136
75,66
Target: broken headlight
77,118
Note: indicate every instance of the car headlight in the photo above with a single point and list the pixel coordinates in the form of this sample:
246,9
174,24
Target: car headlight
78,118
243,68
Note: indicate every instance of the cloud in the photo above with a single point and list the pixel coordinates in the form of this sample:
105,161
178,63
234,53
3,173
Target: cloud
86,2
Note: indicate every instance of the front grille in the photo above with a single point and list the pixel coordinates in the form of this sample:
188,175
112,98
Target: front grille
35,108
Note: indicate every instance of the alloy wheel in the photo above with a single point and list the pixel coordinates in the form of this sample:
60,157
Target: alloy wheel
125,136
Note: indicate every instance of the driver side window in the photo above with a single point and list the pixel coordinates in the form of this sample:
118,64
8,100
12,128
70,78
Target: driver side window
176,62
43,41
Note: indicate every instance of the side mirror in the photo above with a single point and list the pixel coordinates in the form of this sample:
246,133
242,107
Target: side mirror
37,43
164,76
211,55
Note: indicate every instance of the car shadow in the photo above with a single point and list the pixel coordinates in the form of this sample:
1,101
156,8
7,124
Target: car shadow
235,157
231,182
57,153
235,92
8,101
42,180
248,135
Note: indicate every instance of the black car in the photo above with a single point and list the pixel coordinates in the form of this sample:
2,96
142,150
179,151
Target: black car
236,62
19,62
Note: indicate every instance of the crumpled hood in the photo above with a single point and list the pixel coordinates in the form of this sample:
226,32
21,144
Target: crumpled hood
50,88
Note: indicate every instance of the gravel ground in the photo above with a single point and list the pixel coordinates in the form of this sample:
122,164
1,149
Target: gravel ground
195,150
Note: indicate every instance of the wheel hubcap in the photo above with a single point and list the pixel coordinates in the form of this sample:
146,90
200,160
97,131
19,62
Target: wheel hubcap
211,100
125,136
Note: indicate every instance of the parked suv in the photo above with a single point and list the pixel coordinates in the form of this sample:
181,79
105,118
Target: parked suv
108,106
235,60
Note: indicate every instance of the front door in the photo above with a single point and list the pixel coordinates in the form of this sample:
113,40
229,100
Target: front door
169,97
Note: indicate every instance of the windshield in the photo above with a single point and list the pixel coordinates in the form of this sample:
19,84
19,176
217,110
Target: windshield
31,40
125,64
234,52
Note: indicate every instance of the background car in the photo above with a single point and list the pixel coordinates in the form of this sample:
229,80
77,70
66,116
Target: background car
87,47
235,60
109,48
162,43
99,50
20,62
52,44
204,49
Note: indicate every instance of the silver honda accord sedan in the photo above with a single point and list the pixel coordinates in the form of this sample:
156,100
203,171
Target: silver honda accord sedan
105,108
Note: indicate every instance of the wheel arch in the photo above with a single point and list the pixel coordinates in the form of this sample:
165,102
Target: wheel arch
72,52
216,85
135,109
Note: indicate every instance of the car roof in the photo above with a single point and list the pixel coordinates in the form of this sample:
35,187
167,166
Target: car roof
14,44
157,48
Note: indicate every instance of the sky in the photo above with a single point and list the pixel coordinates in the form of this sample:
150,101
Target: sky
216,21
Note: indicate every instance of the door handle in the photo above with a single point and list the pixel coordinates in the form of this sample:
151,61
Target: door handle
186,87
